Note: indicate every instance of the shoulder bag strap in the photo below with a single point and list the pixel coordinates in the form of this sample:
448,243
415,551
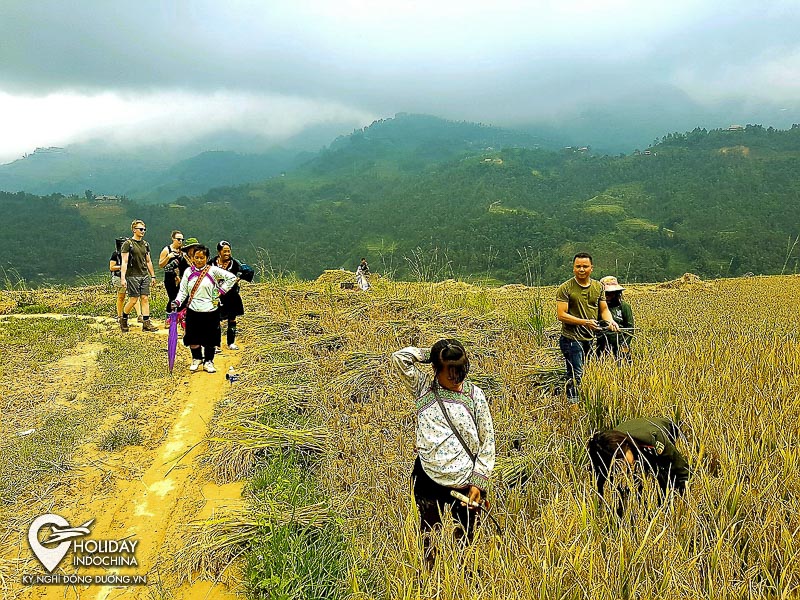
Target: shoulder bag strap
197,284
473,457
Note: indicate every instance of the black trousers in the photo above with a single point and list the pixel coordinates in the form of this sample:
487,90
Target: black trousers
433,501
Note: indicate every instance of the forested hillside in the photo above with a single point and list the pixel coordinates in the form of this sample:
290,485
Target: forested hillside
421,197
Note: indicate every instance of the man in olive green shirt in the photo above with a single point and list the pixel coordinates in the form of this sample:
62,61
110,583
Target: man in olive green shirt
578,302
137,275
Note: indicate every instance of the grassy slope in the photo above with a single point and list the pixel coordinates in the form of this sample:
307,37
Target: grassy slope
709,353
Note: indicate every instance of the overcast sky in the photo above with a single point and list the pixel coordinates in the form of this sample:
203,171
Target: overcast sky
145,70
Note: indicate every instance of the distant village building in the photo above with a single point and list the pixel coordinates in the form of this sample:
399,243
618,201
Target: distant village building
107,199
735,128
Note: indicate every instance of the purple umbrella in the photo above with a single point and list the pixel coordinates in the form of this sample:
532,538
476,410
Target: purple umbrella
172,341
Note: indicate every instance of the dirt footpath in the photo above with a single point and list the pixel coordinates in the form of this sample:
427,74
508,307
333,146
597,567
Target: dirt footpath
147,494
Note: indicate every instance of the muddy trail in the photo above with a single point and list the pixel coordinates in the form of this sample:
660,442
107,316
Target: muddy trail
144,494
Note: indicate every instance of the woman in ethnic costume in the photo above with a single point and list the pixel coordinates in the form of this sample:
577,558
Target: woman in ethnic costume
202,284
454,440
230,306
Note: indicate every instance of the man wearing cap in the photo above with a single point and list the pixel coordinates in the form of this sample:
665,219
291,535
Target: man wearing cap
579,301
137,275
617,344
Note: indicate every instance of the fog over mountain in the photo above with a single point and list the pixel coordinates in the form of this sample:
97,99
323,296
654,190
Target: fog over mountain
613,73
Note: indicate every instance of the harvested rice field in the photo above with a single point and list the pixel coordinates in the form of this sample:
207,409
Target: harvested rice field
293,481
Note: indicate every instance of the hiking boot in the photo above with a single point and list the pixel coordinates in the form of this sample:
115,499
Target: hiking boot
217,350
209,367
233,347
195,365
148,326
139,319
123,324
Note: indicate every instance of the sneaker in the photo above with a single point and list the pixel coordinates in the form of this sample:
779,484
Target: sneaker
217,350
195,365
209,367
123,324
148,326
139,319
233,347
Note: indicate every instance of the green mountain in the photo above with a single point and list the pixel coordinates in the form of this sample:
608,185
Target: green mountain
425,198
145,179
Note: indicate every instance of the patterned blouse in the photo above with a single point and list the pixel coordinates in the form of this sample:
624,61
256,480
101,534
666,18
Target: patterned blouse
442,456
216,281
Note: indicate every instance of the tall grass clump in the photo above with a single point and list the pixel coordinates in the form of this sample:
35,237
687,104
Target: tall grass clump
294,559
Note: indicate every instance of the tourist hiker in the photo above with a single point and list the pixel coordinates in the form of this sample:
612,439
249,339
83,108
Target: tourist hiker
362,275
454,439
617,344
137,275
646,445
230,305
174,262
579,301
115,266
201,287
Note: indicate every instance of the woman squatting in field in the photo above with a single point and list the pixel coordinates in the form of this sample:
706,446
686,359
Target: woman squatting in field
454,439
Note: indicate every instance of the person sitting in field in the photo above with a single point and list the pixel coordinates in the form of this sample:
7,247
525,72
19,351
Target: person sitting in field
645,445
611,342
201,286
454,438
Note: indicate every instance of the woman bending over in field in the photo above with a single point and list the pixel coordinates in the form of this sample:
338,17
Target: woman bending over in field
454,438
644,444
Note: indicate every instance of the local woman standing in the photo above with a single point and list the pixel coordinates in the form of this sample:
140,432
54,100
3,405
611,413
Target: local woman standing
201,285
230,306
455,436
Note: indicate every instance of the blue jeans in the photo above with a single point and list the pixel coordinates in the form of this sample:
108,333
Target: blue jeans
575,354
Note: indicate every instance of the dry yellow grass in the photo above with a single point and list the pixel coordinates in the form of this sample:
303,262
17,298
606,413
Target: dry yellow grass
723,357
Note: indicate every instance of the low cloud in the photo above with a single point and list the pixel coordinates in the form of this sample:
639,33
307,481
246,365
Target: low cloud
167,117
149,68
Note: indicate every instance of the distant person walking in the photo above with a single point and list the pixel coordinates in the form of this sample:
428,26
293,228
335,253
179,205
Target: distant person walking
617,344
454,440
201,286
137,275
174,262
362,275
230,305
579,301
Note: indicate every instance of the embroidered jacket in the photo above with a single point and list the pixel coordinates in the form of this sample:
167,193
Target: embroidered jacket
442,456
215,282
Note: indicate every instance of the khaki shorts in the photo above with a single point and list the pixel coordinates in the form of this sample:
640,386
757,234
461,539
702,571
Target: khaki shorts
138,286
